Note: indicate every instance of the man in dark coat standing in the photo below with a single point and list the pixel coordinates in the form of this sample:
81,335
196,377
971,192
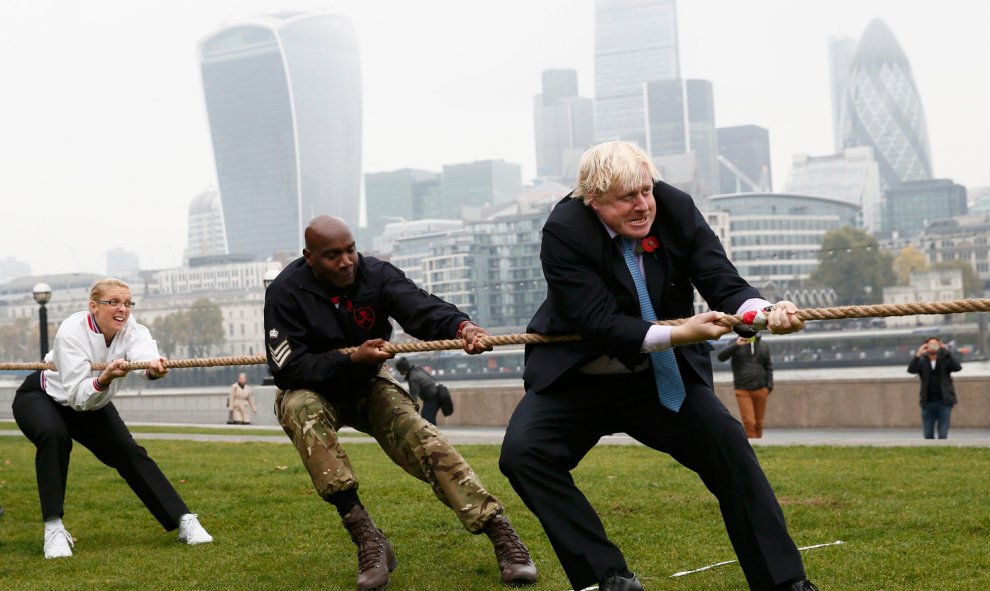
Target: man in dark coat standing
422,386
752,377
934,364
620,225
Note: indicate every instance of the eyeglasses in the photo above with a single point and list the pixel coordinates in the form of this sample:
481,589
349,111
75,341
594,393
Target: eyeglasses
116,303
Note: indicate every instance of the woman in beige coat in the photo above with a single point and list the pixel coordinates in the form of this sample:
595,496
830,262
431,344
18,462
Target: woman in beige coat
238,402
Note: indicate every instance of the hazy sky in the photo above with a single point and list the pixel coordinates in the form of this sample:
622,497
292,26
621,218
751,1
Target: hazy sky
104,138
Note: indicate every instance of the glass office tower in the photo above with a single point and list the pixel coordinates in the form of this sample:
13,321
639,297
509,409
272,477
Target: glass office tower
744,159
680,118
882,108
283,97
563,124
635,42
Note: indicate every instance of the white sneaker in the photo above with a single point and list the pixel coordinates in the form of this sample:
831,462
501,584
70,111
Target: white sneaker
191,532
58,544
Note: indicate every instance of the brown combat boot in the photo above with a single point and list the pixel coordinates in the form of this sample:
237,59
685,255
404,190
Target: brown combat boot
513,558
375,555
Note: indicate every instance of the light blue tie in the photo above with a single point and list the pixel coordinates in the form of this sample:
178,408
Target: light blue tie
669,384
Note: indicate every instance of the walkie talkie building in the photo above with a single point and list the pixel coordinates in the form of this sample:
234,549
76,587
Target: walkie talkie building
283,98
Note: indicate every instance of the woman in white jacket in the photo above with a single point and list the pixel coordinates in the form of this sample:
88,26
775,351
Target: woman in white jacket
73,402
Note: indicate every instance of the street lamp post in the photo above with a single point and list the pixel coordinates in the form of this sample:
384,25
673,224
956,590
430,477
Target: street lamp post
43,294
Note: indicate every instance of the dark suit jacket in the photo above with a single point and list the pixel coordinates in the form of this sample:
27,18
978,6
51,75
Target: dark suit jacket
945,363
591,292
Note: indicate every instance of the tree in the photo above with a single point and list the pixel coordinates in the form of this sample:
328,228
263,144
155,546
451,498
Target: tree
972,285
204,326
198,329
910,260
19,340
851,263
167,332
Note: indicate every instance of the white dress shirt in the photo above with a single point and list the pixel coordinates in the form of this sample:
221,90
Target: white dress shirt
657,337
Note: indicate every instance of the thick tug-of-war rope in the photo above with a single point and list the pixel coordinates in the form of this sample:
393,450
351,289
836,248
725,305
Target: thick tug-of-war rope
755,319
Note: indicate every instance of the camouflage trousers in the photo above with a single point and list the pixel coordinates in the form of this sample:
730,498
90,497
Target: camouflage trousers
387,413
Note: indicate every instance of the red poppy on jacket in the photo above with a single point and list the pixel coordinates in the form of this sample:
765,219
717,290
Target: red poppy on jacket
649,244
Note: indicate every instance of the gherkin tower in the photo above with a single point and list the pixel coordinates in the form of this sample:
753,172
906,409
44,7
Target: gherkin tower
882,108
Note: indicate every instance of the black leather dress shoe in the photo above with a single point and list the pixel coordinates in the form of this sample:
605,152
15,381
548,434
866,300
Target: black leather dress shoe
617,582
802,585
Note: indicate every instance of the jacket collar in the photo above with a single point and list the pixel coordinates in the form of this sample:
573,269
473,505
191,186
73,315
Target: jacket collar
304,277
91,322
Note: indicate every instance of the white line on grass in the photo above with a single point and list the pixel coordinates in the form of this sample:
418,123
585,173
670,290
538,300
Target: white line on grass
698,570
710,566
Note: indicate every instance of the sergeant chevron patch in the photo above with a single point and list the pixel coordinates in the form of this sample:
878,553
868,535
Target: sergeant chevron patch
280,353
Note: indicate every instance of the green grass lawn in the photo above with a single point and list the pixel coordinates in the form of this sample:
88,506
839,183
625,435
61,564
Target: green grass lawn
10,425
911,519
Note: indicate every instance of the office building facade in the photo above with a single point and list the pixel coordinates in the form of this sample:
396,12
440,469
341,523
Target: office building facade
775,237
882,108
978,198
911,206
680,119
476,184
940,285
635,42
563,125
283,98
491,268
214,275
744,159
962,238
852,177
207,235
840,53
400,195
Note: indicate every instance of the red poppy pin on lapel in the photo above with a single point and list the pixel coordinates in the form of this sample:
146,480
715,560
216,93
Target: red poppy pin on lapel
648,244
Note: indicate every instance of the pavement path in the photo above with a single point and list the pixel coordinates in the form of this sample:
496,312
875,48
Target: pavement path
494,435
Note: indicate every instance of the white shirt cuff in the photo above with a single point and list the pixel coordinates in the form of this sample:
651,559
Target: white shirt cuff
657,338
752,304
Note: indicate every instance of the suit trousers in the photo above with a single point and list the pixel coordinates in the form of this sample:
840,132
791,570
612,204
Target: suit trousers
52,427
551,431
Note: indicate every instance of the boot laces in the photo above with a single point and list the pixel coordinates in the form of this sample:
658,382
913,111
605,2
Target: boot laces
370,550
507,542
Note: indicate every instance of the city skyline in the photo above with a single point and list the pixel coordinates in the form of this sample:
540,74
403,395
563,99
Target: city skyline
105,138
